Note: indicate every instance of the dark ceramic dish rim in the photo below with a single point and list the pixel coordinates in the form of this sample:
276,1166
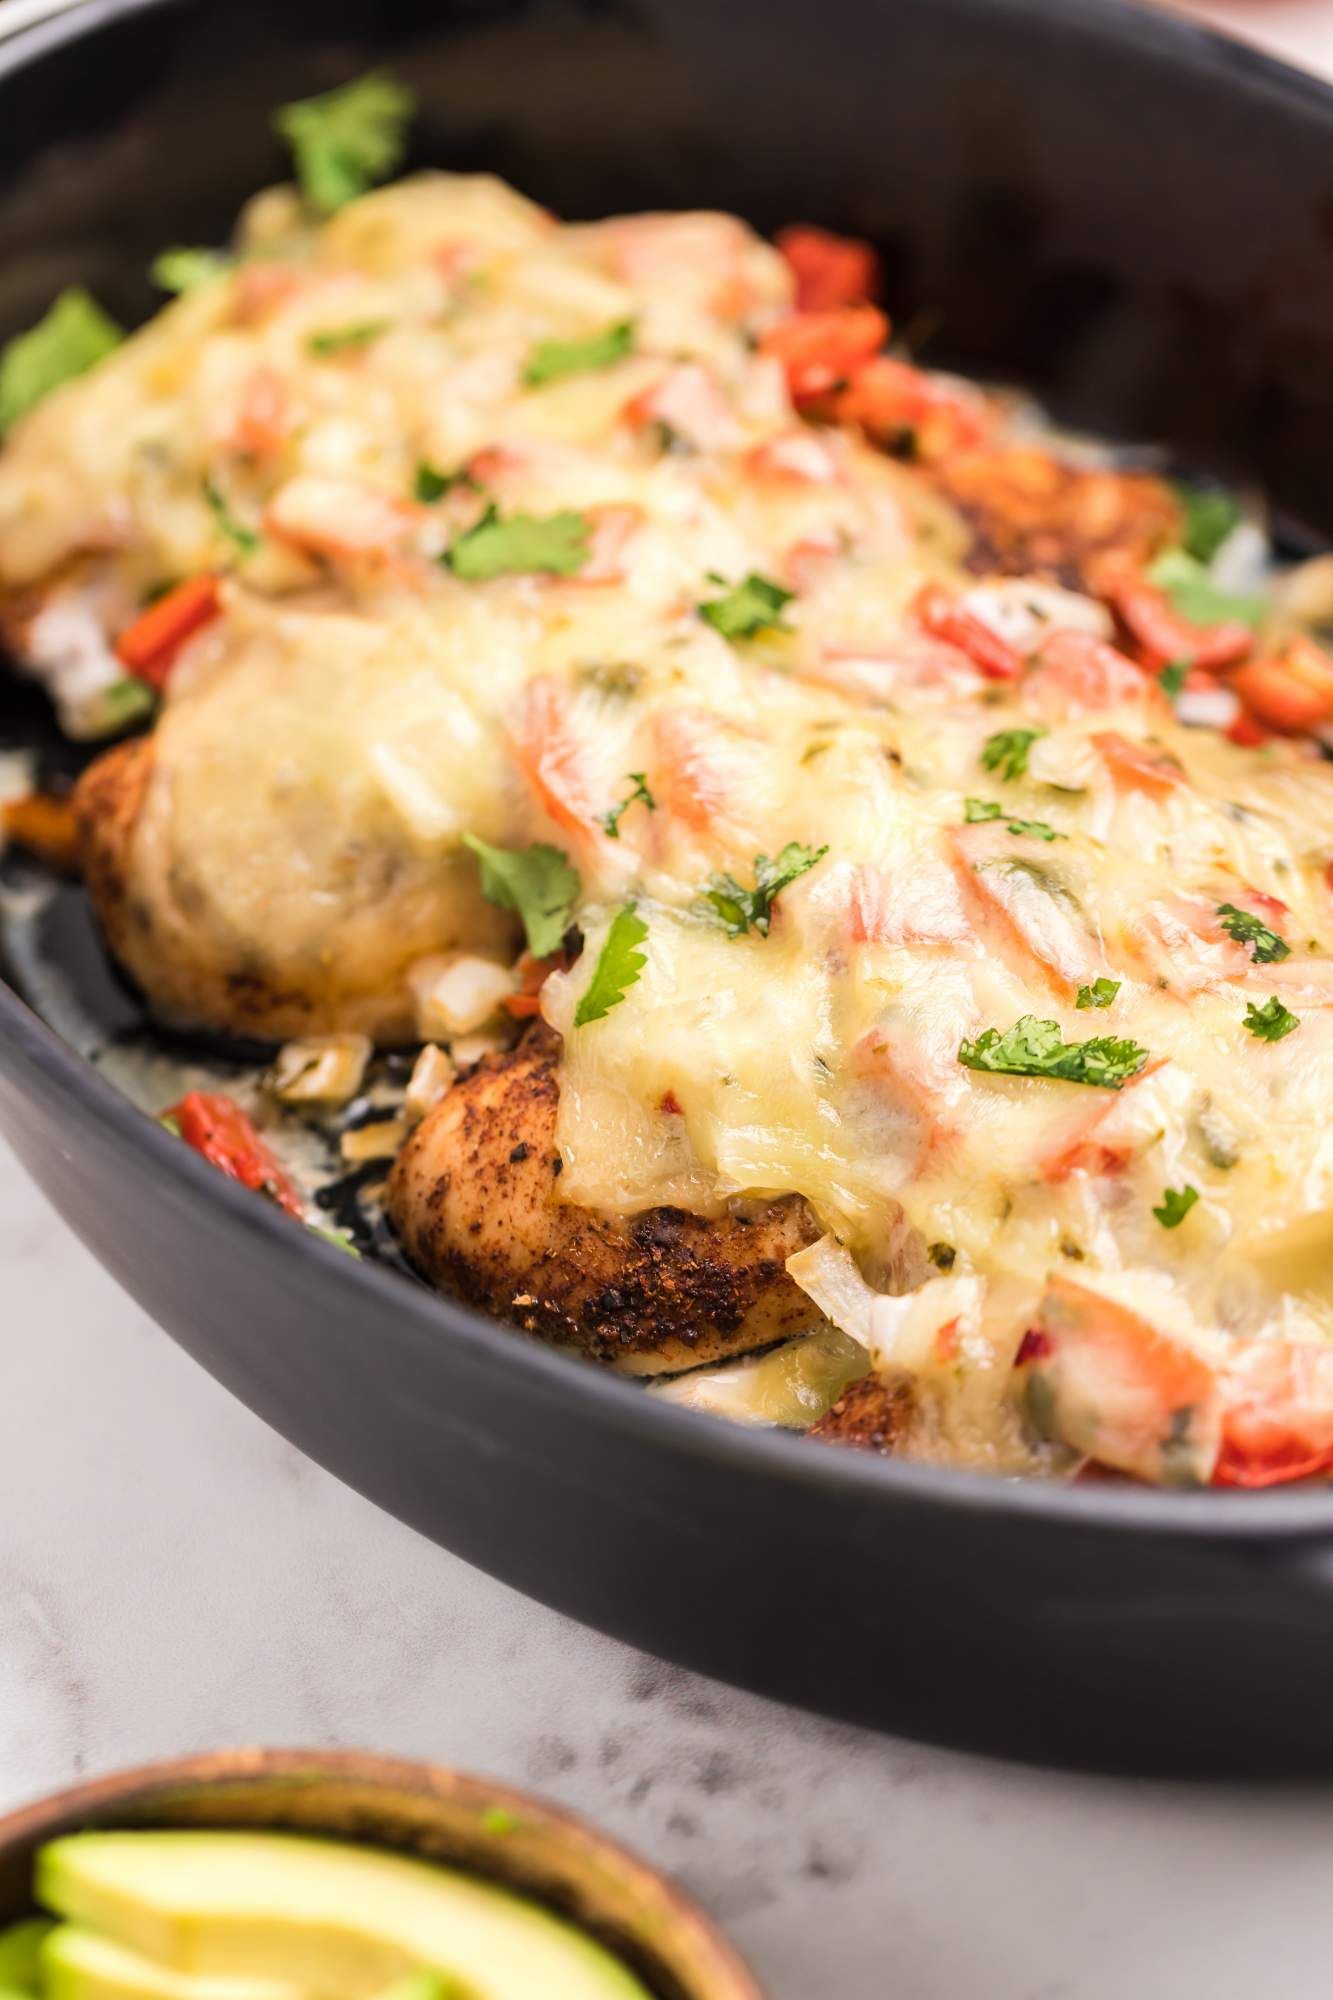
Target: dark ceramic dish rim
25,1039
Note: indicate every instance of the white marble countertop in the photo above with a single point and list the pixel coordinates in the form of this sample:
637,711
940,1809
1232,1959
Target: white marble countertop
173,1577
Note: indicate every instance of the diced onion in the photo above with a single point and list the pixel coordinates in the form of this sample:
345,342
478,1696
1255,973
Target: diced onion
432,1076
1207,708
828,1274
469,1049
325,1069
379,1141
455,996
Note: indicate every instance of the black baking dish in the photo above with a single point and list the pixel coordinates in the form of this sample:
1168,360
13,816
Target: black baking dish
1124,212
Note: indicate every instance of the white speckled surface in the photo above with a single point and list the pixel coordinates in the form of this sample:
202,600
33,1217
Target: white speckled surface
173,1576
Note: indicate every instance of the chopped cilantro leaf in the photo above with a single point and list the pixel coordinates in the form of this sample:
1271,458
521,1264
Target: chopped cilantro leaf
1210,515
429,484
338,339
1172,677
74,334
1036,1048
1272,1021
979,809
551,545
618,966
1246,928
753,606
537,882
1175,1205
182,270
1196,597
610,821
1100,994
125,702
739,909
247,540
339,1238
552,360
347,139
1006,753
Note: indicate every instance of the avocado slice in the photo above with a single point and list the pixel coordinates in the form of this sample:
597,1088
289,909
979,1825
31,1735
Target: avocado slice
331,1918
20,1956
77,1964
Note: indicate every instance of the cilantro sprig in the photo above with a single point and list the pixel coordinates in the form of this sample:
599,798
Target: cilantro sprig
1210,515
750,607
74,335
552,360
1266,947
638,794
342,339
1196,597
1175,1205
1006,752
981,809
429,484
738,909
1271,1022
1172,678
178,269
346,140
536,882
1100,994
522,544
618,966
245,540
1037,1048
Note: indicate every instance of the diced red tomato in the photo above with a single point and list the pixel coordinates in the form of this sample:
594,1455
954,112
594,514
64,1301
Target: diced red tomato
338,517
916,1082
533,974
695,253
1161,634
1028,913
689,402
921,905
1137,767
1074,671
227,1137
821,350
263,418
891,401
610,530
939,614
1121,1390
1291,690
1248,733
1099,1137
694,778
829,270
551,757
153,643
259,288
1277,1420
800,457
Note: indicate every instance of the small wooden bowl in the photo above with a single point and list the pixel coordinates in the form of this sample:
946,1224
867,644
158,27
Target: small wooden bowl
422,1809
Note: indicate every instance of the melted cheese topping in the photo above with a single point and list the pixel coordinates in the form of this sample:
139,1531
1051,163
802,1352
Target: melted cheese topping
359,707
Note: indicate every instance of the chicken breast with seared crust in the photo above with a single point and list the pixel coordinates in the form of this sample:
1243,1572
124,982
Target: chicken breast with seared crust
475,1199
251,862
